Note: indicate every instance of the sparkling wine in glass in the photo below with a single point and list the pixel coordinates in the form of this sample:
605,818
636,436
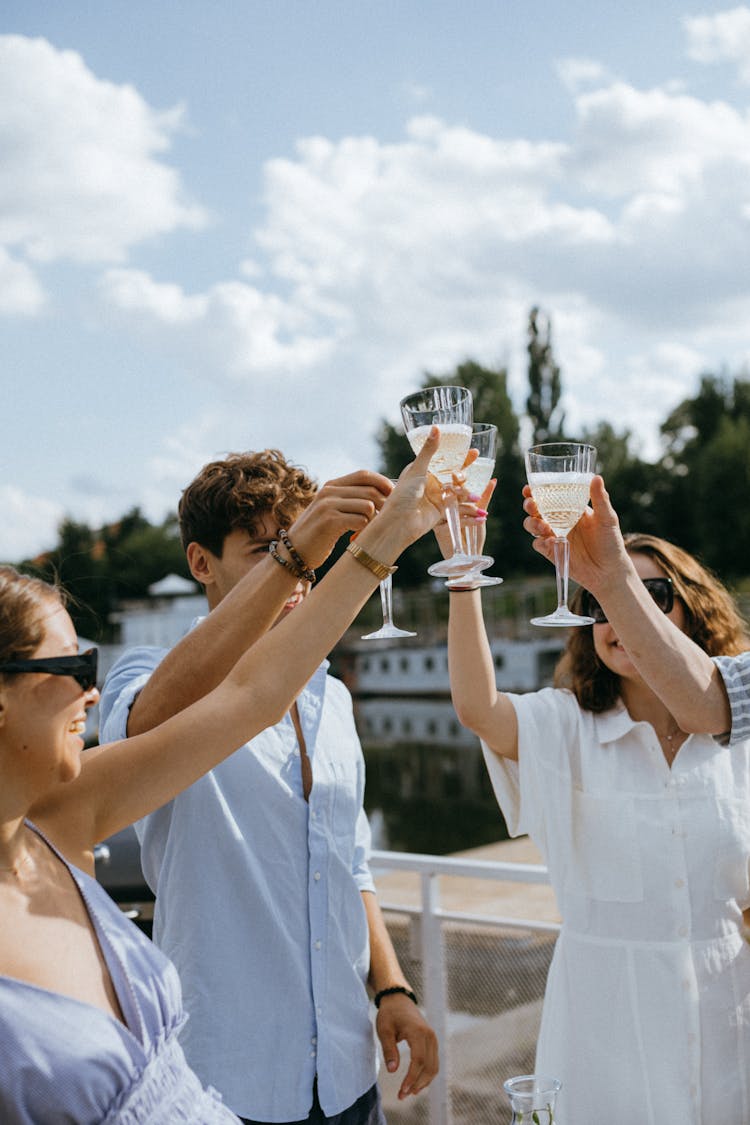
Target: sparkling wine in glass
387,629
478,476
451,410
559,475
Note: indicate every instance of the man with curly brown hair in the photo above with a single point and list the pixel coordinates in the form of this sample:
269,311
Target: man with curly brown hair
264,900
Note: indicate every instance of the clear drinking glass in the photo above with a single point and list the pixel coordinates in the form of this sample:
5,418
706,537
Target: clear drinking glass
478,476
451,410
559,476
532,1098
387,629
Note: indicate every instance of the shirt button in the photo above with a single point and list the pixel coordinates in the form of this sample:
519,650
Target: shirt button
682,931
314,1040
312,1054
317,945
316,876
679,882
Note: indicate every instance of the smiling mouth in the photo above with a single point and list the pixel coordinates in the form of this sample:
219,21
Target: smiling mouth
78,727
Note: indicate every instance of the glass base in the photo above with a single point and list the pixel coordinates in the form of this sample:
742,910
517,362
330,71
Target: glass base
386,631
459,564
562,617
477,580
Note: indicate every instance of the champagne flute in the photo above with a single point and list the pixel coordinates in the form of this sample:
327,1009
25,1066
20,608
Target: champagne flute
450,409
478,475
387,629
559,475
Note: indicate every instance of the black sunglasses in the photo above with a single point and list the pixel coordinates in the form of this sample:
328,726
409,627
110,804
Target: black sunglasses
660,589
81,667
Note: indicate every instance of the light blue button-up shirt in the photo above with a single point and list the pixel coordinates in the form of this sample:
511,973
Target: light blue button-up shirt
259,906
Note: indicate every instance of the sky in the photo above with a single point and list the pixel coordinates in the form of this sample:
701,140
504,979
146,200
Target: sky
241,224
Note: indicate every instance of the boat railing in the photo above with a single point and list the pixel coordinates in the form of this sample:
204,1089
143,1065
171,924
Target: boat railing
479,964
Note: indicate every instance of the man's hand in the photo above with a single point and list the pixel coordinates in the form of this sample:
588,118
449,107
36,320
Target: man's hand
345,504
597,550
399,1020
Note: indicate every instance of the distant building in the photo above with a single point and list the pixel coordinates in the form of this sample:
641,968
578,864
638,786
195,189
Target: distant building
164,617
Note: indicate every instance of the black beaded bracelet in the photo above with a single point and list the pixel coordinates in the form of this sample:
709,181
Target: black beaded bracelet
305,571
392,991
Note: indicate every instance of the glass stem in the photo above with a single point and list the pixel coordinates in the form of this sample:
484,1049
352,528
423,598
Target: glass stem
562,561
454,520
386,589
471,539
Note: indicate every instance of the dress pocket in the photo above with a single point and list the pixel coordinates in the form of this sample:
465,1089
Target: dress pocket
606,853
732,865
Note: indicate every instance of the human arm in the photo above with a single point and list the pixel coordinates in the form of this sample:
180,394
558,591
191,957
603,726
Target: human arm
683,676
124,781
478,704
399,1019
203,658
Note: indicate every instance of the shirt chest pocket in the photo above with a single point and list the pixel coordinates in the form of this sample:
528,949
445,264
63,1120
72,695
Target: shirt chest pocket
606,862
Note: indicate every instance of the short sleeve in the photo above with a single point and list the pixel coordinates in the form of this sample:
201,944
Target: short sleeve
735,671
125,679
548,731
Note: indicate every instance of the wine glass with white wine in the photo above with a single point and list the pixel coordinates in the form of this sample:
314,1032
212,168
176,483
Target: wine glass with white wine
451,410
387,629
559,475
478,475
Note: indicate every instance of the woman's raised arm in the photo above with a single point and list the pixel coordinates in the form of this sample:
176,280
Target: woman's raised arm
123,781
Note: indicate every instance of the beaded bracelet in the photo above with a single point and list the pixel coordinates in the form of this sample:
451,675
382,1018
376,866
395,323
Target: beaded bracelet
392,991
305,571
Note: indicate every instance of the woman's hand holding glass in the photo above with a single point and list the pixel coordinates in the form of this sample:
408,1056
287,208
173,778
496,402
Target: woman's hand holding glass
451,409
559,476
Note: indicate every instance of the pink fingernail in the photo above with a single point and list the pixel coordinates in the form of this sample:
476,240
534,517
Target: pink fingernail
482,512
473,497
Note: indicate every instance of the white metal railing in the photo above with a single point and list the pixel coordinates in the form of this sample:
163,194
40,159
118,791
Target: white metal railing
430,917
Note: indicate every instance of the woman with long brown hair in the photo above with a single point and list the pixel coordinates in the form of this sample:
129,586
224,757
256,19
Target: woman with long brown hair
646,834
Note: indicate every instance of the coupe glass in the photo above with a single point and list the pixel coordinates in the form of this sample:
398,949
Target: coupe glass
478,476
559,476
450,409
387,629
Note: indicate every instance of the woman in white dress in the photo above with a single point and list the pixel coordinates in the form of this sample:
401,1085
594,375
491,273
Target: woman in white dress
646,833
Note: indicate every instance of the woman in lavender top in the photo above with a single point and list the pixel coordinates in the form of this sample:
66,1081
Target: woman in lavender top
89,1009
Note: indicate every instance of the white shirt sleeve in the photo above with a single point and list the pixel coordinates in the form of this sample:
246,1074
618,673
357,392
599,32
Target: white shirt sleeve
125,679
547,730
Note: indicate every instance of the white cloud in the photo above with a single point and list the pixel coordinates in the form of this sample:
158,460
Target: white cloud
83,176
28,522
20,292
387,260
723,37
576,73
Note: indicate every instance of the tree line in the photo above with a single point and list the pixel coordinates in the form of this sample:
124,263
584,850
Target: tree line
696,493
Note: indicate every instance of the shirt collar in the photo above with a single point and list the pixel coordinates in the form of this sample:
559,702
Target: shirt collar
613,724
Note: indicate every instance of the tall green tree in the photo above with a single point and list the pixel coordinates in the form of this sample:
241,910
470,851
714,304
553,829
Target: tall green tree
707,458
545,382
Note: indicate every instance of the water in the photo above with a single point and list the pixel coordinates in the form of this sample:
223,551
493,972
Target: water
427,786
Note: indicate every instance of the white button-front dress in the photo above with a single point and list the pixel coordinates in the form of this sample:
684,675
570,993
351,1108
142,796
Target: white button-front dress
646,1015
